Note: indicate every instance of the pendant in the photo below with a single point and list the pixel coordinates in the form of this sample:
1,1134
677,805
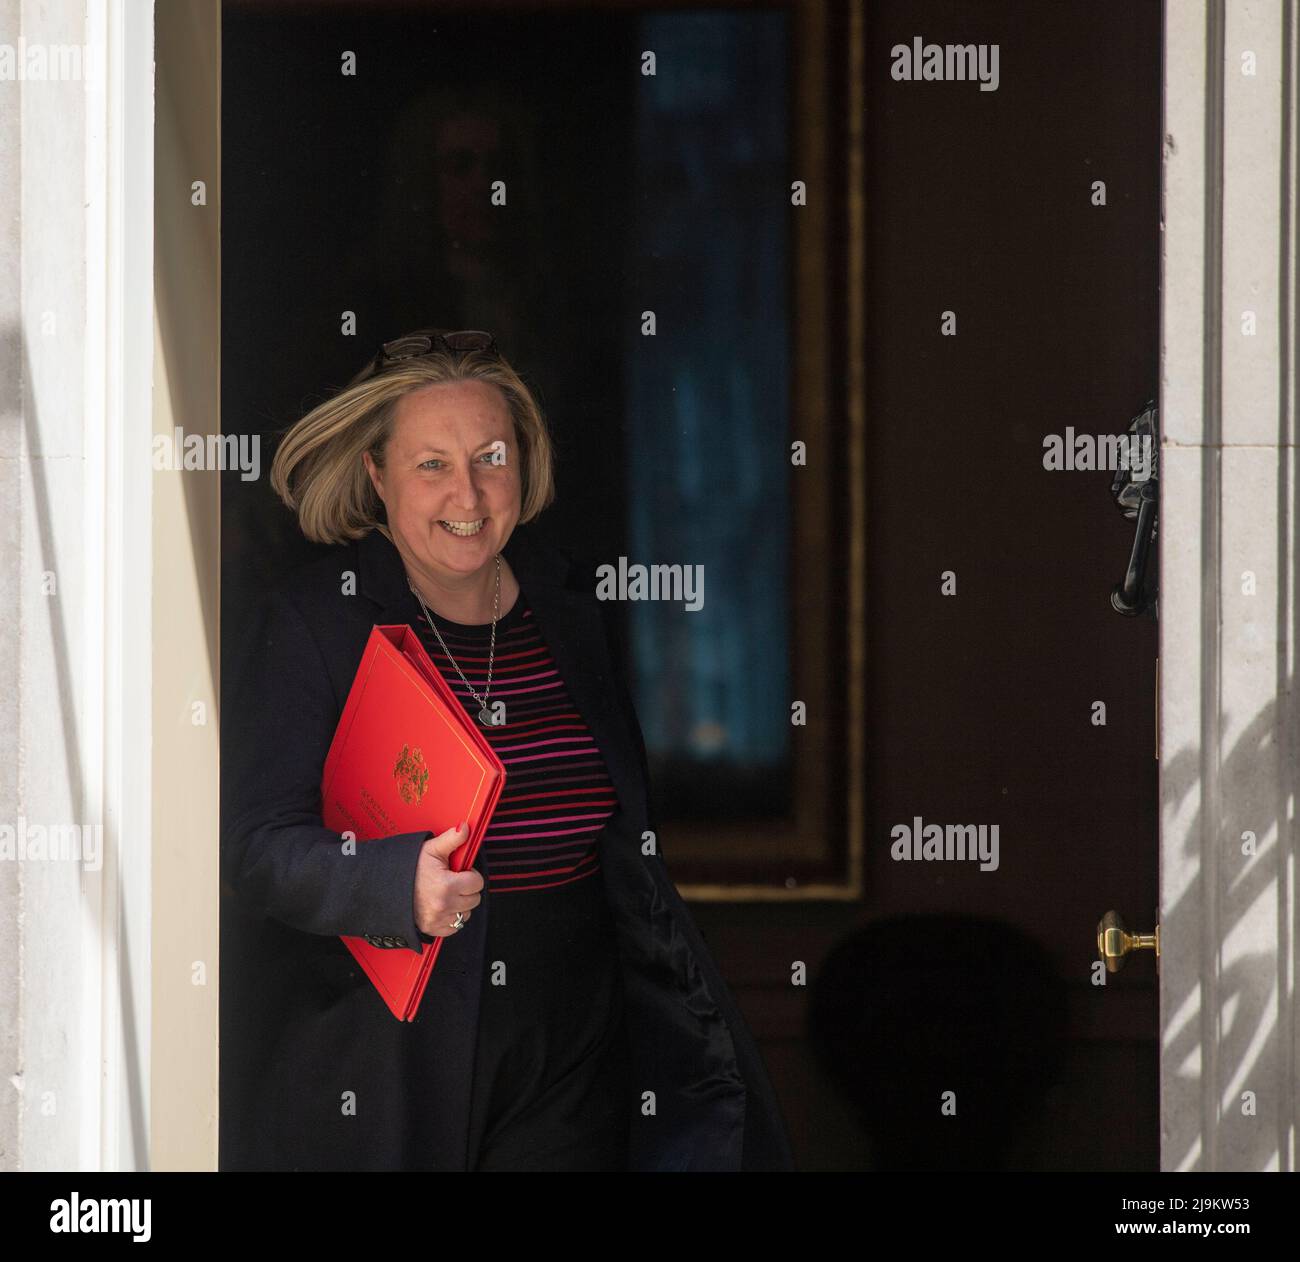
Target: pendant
485,717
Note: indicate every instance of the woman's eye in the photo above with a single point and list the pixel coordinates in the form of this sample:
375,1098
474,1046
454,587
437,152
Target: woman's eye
488,456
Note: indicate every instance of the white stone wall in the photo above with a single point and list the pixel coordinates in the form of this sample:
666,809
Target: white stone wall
43,601
1229,577
73,1006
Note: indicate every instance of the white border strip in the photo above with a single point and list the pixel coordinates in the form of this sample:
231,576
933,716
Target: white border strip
118,427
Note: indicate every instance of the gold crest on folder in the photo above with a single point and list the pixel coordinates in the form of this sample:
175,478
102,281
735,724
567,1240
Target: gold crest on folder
411,774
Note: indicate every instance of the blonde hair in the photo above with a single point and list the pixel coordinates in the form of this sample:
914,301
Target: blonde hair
318,471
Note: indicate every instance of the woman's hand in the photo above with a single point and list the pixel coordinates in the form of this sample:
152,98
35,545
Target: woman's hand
439,892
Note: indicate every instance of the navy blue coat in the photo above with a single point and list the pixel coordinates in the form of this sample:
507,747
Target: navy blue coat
316,1073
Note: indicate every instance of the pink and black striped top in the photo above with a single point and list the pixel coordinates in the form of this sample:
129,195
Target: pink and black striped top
558,793
553,940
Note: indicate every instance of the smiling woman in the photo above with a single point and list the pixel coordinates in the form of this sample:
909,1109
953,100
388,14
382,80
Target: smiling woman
449,483
437,443
576,1020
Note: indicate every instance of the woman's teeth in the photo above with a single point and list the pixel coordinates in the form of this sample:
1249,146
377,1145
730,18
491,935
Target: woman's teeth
463,528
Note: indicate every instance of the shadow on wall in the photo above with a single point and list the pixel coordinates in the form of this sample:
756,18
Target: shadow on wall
912,1007
1252,1045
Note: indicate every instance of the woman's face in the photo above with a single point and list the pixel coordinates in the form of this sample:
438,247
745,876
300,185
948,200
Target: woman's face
451,462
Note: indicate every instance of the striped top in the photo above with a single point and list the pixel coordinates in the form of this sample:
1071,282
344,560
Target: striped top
558,792
545,1091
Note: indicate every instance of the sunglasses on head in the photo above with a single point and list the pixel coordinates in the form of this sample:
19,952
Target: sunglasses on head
413,345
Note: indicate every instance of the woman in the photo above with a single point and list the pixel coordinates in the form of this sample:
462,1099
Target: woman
574,1019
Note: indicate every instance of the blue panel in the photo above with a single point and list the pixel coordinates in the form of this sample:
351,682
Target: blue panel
707,407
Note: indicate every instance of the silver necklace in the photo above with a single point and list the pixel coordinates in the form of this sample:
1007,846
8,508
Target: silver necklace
484,714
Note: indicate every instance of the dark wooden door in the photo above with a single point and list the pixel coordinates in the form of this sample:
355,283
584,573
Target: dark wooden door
982,704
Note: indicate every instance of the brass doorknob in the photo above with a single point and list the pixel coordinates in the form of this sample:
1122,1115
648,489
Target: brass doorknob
1114,942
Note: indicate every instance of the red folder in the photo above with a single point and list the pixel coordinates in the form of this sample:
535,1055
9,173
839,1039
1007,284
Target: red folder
406,757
